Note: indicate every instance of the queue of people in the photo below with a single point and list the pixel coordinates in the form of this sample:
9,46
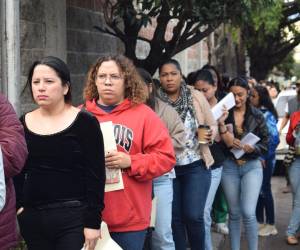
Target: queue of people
169,145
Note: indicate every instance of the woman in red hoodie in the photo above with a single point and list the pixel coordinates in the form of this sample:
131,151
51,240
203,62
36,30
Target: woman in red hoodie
293,139
114,92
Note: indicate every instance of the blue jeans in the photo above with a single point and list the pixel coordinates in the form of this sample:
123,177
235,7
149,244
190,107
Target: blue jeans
241,185
190,187
130,240
265,200
215,181
162,237
294,174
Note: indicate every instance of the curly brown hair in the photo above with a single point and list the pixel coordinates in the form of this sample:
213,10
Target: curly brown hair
133,83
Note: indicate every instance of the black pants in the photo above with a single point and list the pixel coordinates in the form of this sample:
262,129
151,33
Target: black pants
52,229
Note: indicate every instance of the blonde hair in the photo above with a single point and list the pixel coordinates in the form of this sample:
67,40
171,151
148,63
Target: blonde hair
133,83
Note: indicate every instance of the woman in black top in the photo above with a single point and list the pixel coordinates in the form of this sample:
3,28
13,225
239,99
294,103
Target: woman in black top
60,191
205,83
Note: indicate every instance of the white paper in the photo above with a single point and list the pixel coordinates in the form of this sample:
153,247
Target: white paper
153,212
250,139
227,101
107,129
106,242
110,145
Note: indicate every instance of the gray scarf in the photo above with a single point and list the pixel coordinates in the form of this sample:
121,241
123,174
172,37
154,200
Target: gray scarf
183,104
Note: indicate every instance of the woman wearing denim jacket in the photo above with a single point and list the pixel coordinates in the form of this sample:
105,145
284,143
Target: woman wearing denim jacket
242,178
261,99
193,175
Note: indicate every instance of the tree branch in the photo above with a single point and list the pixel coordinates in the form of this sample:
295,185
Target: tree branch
163,19
176,34
191,41
111,21
290,9
187,32
285,49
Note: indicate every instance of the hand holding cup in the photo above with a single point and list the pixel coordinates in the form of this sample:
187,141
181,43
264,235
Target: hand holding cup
204,134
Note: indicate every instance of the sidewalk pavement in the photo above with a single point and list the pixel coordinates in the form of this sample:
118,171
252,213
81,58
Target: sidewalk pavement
283,206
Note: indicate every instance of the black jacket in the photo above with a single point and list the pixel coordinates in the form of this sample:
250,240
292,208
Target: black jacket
254,122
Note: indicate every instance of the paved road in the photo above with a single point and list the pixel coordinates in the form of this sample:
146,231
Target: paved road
283,204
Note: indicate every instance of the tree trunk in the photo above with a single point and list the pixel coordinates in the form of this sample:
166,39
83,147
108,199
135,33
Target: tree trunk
259,70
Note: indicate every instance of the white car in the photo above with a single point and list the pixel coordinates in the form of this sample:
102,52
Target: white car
281,107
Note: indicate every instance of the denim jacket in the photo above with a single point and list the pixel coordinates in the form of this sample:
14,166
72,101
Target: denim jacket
273,133
255,123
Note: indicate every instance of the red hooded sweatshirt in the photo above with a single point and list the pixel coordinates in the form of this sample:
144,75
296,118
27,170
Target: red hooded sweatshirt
140,133
294,120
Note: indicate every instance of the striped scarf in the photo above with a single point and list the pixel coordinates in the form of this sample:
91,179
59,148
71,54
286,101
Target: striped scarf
183,104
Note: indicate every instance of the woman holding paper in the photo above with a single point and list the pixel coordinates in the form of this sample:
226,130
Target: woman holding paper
261,99
205,83
60,190
115,92
242,177
219,208
192,169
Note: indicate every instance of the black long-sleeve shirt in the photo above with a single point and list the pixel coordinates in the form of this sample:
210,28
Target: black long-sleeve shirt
68,165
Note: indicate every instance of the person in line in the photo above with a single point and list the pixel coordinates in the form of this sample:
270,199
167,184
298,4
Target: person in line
192,169
162,237
221,87
60,191
14,153
206,84
220,208
242,177
293,105
261,99
115,92
273,90
293,139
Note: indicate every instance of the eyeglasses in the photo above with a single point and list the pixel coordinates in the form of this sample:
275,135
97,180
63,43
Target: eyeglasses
112,78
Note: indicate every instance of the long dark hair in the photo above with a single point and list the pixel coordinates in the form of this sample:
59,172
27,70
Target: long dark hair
239,81
265,99
216,76
205,75
61,69
242,82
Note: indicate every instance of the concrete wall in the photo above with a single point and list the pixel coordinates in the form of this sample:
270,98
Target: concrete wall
43,33
84,43
64,29
32,40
